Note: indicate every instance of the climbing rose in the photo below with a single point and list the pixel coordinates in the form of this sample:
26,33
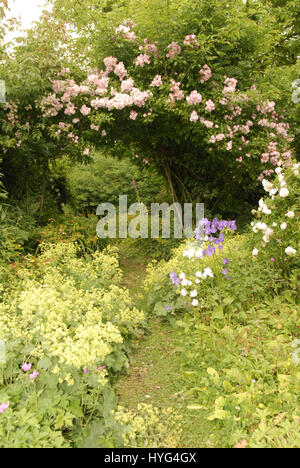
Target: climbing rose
157,81
194,98
133,115
194,116
174,49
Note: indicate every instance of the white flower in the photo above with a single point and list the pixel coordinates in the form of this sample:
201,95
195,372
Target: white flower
195,302
199,274
182,276
199,253
184,282
267,185
261,226
189,283
268,233
274,224
266,210
283,226
183,292
278,170
283,192
254,252
197,281
295,168
208,272
281,177
273,191
290,214
290,251
189,253
194,293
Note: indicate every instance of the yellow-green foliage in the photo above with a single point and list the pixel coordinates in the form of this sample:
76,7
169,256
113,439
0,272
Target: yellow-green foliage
70,319
79,326
150,427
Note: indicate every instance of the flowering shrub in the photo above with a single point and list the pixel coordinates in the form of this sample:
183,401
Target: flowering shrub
66,324
277,220
175,119
238,327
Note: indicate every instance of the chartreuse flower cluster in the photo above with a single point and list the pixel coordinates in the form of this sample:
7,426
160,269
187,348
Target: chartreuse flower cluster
77,326
148,426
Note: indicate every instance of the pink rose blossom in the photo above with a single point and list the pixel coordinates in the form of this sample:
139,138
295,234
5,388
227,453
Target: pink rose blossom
209,106
127,85
120,70
85,110
191,41
205,73
133,115
174,49
231,85
142,59
110,63
194,116
194,98
157,81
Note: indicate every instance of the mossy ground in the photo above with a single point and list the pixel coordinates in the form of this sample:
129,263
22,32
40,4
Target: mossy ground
154,373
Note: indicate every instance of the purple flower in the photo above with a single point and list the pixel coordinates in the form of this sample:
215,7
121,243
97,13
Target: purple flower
175,279
209,251
225,271
225,261
85,371
101,368
168,308
272,259
232,225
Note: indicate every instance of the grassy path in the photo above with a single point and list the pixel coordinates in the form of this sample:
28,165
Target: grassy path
154,373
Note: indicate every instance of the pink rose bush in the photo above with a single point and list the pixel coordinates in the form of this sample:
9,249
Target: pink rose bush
203,116
236,122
